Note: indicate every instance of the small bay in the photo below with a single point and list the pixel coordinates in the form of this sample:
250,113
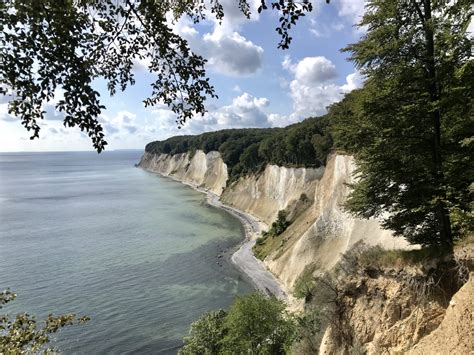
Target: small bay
93,235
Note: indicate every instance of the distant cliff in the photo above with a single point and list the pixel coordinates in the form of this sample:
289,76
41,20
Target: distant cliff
200,169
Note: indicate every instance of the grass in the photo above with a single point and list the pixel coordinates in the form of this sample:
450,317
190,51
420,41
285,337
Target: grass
465,241
379,257
266,244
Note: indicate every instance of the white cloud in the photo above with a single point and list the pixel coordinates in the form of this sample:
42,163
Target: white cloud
277,120
123,123
351,10
353,81
233,16
244,111
312,70
226,50
313,88
231,54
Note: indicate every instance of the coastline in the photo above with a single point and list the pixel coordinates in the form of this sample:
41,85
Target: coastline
243,258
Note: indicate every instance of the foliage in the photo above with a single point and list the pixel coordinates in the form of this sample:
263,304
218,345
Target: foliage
305,283
309,329
280,225
262,246
254,324
22,334
206,334
410,126
248,150
257,324
45,47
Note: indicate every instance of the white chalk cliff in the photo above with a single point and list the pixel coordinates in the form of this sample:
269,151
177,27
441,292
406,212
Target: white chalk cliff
320,234
204,170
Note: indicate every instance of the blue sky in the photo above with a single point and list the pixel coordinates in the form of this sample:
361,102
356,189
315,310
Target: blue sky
258,84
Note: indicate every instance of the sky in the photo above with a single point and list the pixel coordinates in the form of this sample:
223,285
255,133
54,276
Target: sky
258,84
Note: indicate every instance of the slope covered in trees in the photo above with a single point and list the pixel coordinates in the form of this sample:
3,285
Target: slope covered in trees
304,144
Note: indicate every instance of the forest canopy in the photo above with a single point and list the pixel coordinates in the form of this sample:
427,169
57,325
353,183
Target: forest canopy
303,144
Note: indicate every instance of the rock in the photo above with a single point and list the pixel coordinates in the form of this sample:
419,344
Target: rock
455,335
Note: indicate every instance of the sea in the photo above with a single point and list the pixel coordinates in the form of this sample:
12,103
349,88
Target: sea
91,234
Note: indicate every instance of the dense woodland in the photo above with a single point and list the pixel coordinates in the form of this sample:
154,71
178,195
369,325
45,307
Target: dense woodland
248,150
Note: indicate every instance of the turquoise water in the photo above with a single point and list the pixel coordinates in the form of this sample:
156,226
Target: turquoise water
93,235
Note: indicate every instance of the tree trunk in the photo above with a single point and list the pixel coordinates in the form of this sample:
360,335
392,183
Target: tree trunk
441,209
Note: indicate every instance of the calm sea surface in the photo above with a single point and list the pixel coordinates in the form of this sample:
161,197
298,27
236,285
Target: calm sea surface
93,235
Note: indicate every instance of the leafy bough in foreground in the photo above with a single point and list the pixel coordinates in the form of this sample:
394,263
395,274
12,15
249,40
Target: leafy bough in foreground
23,334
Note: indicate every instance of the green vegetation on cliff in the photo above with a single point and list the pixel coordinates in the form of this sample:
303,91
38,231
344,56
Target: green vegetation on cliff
255,324
248,150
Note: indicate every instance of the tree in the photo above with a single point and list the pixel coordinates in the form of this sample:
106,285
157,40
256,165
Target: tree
258,325
280,225
206,334
411,126
48,45
22,335
254,324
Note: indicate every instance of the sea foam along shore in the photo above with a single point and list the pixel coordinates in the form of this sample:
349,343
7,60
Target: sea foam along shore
244,259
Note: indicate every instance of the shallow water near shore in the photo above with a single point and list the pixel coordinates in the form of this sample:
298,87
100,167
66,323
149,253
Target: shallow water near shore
93,235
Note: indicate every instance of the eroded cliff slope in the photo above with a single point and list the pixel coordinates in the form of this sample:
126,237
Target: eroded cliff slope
325,231
203,170
276,188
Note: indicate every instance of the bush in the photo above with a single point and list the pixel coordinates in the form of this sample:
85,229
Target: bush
206,334
264,245
254,324
257,324
305,284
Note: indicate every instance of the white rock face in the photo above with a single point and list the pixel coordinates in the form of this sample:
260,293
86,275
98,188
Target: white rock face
320,235
277,187
326,231
203,170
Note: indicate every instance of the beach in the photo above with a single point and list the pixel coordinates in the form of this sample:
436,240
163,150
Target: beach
244,259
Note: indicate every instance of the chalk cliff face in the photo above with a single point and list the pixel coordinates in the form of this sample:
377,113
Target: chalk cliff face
325,231
203,170
319,235
263,195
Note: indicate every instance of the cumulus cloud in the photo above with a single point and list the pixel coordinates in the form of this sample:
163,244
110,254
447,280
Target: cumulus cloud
231,54
123,122
311,69
351,10
277,120
353,81
227,51
244,111
313,87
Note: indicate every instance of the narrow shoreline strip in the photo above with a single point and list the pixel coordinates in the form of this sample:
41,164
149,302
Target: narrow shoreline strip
244,259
